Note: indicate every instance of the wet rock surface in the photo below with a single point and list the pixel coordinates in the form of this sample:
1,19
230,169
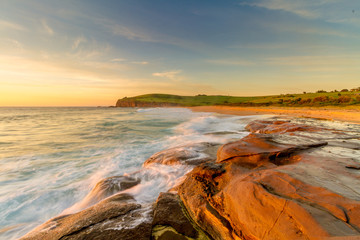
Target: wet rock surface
279,127
256,149
193,154
113,218
103,189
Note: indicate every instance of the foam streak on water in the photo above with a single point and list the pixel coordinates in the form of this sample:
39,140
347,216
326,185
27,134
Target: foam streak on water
50,158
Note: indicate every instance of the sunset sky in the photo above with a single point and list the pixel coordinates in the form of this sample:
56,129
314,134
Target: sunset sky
79,53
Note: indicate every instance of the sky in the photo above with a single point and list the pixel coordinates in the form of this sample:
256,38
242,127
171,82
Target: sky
90,52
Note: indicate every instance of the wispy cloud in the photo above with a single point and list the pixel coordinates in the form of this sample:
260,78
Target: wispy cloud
127,61
325,64
301,8
10,25
231,62
47,28
130,33
78,41
118,60
328,10
89,50
142,34
16,44
173,75
308,30
141,63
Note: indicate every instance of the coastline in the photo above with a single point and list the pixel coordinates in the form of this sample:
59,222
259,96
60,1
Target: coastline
338,114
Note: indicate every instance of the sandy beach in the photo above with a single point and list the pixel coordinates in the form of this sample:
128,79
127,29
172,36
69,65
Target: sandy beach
337,114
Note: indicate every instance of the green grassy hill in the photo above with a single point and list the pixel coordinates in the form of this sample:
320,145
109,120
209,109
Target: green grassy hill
342,98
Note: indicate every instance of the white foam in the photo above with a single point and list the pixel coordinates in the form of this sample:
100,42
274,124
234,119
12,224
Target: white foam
61,173
156,178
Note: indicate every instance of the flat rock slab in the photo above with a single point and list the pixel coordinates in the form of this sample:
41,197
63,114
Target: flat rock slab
193,154
258,149
260,188
278,127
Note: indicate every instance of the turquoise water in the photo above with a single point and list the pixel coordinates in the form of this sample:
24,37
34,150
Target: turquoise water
50,158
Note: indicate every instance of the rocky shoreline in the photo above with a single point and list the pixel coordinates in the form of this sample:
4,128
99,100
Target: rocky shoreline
285,180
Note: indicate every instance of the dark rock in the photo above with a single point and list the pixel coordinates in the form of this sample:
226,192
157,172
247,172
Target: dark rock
353,166
167,233
170,220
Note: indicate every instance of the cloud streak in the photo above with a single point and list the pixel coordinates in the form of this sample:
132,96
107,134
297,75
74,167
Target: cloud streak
141,63
47,28
10,25
130,33
231,62
328,10
78,41
300,8
172,75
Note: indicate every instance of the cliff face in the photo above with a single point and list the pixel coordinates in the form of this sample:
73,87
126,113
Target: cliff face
134,103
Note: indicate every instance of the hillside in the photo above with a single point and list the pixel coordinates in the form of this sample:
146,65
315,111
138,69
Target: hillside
320,98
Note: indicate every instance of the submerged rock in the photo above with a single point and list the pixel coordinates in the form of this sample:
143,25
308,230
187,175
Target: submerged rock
116,217
103,189
109,186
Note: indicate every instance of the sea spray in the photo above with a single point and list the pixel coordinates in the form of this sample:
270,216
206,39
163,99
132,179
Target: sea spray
51,158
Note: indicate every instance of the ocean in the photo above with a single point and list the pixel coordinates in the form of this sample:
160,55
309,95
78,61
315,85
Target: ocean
51,158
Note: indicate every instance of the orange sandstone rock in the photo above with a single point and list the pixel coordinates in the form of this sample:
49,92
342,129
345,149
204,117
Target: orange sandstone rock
278,127
254,191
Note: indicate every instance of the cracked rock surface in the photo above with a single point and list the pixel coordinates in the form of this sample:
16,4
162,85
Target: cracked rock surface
278,183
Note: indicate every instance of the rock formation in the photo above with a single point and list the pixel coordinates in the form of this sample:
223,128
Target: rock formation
282,181
103,189
193,154
171,220
260,189
113,218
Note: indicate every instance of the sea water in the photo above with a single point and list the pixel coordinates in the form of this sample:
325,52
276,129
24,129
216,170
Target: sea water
51,158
